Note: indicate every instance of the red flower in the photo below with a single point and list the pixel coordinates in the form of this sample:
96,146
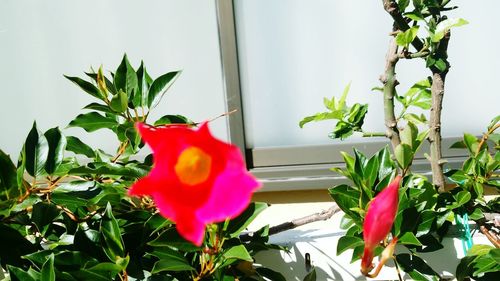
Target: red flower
378,221
196,179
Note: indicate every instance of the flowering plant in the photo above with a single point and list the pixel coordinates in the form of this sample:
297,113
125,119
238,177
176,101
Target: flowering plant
420,212
72,212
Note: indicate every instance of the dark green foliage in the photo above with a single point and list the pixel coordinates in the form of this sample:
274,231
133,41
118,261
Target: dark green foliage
74,221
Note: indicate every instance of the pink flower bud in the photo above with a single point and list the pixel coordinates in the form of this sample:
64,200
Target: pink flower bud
378,221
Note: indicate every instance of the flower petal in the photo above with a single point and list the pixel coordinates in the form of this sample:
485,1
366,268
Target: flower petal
232,190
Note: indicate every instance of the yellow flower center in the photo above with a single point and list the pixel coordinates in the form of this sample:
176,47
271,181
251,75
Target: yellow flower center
193,166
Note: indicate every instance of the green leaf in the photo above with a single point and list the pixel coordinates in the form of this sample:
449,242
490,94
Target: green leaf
409,238
409,135
416,267
9,188
119,102
141,96
402,4
348,242
160,86
405,38
36,150
48,273
241,222
238,252
172,119
125,78
44,214
170,260
171,265
22,275
75,145
477,214
493,122
404,155
57,144
457,176
444,26
414,16
99,107
461,198
471,143
341,103
88,87
170,238
112,235
93,121
479,250
441,65
321,117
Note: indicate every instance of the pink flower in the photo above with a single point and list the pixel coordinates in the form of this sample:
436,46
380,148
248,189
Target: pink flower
196,179
378,221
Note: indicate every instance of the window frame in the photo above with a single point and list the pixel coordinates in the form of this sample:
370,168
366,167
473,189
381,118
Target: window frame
295,167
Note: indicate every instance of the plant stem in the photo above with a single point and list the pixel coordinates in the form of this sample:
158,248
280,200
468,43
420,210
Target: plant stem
437,92
392,8
390,83
321,216
486,136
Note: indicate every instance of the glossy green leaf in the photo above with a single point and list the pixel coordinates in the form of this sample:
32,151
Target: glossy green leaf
457,176
446,25
125,78
9,188
48,273
238,252
405,38
471,143
36,150
57,143
461,198
494,122
348,242
119,102
402,4
171,265
88,87
409,135
75,145
408,238
93,121
112,235
172,119
404,155
43,214
241,222
170,238
22,275
160,86
479,249
416,267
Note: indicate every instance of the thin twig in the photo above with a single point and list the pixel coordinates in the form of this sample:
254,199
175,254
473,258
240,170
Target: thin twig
490,237
485,137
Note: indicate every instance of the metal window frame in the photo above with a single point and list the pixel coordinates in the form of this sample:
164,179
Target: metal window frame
293,167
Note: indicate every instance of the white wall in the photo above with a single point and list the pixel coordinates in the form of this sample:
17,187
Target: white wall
293,53
42,40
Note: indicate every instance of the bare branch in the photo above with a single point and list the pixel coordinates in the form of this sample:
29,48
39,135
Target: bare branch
321,216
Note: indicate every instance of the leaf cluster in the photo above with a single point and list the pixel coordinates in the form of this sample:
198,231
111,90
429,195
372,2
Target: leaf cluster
65,213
